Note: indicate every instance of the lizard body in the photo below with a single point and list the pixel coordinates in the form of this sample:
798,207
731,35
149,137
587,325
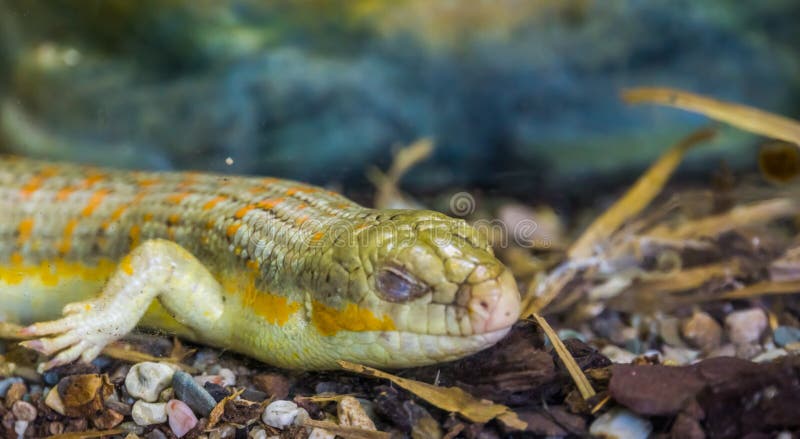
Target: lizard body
287,273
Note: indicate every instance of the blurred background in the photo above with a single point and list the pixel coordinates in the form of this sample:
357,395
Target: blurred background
519,96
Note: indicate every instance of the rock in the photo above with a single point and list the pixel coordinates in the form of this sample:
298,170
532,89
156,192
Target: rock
24,411
257,433
166,394
351,413
146,380
181,418
20,427
620,423
131,427
769,355
84,395
15,393
319,433
677,355
686,427
6,383
726,350
53,400
786,335
254,395
280,414
228,377
108,419
155,434
702,331
746,326
224,378
148,413
618,355
273,384
188,391
216,391
55,428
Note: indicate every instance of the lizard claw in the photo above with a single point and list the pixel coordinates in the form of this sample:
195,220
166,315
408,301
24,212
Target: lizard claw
82,333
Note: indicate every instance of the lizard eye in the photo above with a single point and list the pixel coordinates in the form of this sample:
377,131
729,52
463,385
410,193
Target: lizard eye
396,285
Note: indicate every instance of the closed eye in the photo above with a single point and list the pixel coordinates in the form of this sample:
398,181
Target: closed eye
397,285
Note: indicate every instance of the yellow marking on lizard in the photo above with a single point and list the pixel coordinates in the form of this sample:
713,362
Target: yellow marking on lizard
51,273
329,320
25,230
273,308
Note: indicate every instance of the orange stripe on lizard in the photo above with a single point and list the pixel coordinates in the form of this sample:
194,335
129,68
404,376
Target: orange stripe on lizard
94,201
25,229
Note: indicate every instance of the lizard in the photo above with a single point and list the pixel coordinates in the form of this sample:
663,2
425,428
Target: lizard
287,273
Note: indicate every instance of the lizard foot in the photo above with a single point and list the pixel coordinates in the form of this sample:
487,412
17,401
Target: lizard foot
84,331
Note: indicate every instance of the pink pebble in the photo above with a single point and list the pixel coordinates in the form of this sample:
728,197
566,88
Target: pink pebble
181,418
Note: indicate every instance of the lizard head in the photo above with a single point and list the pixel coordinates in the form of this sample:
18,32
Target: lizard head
413,288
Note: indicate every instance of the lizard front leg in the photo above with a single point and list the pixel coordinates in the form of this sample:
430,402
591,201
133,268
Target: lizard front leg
156,269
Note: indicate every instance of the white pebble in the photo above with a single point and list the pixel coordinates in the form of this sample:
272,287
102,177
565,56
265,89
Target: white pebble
621,423
229,378
318,433
770,355
24,411
224,377
146,380
20,427
618,355
281,414
746,326
257,433
148,413
181,417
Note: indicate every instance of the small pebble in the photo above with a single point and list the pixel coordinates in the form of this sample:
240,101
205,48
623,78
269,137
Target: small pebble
51,377
53,400
6,383
155,434
254,395
281,414
55,428
620,423
702,331
146,380
786,335
224,432
351,413
15,392
216,391
257,433
131,427
273,384
166,394
617,354
770,355
181,418
726,350
108,419
678,355
746,326
24,411
20,427
148,413
188,391
319,433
